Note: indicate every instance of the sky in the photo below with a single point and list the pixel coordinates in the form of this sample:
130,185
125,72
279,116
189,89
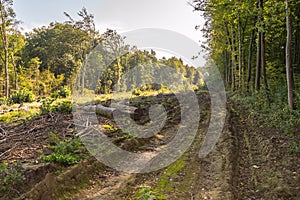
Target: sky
120,15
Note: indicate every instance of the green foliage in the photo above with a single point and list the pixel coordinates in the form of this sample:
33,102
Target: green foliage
64,92
23,95
46,106
41,82
137,92
232,27
169,101
10,176
6,101
66,152
59,48
274,115
295,145
164,183
108,127
15,115
146,194
54,95
63,107
53,105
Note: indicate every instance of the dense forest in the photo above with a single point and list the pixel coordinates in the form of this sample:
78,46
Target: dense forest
256,45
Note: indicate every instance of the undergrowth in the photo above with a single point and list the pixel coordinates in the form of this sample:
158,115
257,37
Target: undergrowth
146,194
11,176
277,114
65,152
54,105
17,115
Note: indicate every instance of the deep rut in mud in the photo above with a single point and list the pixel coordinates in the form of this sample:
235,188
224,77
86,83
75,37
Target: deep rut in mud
245,163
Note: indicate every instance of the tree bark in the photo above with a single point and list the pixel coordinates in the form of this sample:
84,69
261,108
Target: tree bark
16,73
109,111
262,53
258,63
240,51
259,46
263,67
118,86
5,46
83,73
289,68
233,56
226,66
250,59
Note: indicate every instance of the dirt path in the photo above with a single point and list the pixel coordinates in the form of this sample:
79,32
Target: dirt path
250,161
245,164
187,178
266,167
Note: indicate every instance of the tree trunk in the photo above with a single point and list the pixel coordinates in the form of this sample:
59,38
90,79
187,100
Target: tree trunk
289,68
5,45
263,67
258,63
231,42
262,53
119,75
6,69
259,46
16,73
240,51
297,46
250,59
109,111
226,66
83,73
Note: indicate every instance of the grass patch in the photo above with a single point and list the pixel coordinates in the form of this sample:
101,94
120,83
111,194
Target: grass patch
18,115
164,184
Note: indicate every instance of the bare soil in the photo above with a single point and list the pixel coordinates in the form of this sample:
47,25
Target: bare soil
250,161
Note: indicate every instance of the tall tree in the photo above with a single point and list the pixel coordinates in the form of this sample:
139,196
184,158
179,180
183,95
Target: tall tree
250,55
114,45
17,42
289,68
7,16
86,24
263,55
59,47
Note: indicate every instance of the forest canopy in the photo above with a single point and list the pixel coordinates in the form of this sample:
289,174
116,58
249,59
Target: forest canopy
50,57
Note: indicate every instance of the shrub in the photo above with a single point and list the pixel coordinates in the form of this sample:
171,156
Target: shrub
137,92
54,95
146,194
22,96
46,106
50,105
63,107
5,101
66,152
10,176
17,115
64,92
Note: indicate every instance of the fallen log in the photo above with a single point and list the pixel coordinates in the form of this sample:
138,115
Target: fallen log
109,111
